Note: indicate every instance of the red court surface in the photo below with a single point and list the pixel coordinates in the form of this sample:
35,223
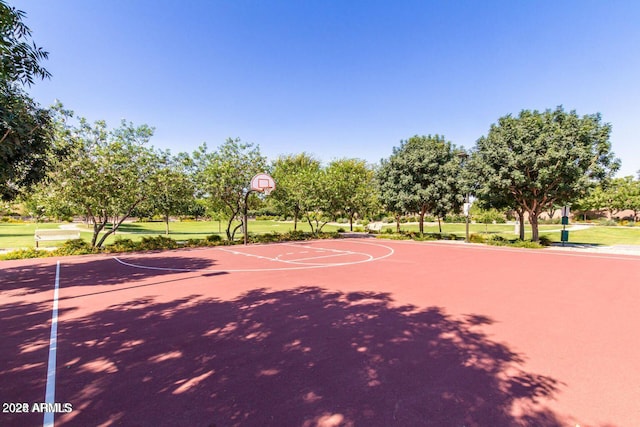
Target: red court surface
354,332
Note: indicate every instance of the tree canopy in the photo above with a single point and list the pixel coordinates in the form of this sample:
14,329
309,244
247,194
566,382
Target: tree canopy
541,159
25,128
422,175
107,174
225,174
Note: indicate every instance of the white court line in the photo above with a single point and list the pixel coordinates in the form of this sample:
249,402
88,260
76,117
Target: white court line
390,252
323,256
545,251
50,393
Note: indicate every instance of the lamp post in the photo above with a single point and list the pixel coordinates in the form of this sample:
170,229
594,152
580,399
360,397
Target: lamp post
464,156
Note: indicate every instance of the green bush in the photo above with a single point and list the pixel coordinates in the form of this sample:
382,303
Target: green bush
122,245
341,230
25,254
157,243
477,238
544,240
455,218
525,244
213,238
266,238
74,247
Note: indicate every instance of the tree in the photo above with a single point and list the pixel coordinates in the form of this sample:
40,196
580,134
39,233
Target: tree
25,134
293,174
108,173
633,202
351,183
538,160
422,175
173,193
224,177
20,58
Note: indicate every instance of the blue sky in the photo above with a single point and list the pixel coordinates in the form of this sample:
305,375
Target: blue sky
339,78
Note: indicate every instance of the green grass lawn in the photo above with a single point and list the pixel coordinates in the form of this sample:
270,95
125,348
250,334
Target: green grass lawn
13,235
22,235
600,235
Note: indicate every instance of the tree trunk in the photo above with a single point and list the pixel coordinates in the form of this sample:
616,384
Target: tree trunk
439,226
421,226
398,223
351,222
166,223
533,219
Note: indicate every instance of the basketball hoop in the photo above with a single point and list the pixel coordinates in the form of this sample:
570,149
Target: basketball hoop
263,183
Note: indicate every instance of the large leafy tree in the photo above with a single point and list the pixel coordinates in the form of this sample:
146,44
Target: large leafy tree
351,183
293,175
224,177
541,159
174,191
25,134
108,173
422,175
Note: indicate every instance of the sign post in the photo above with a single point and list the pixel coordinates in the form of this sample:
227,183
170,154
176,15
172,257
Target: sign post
564,234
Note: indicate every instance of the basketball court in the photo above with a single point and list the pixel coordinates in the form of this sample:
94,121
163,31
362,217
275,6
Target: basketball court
324,333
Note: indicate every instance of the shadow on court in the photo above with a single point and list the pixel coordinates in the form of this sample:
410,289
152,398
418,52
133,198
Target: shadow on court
302,357
101,271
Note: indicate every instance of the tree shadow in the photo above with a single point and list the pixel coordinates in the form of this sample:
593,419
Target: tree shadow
101,271
299,357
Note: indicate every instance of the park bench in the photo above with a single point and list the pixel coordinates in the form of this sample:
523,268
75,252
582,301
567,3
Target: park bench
51,235
374,227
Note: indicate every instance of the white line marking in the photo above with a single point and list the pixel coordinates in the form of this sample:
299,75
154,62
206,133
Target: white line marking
323,256
305,266
546,251
50,393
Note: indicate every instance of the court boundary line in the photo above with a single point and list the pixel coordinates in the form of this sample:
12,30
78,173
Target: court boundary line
50,391
370,258
544,251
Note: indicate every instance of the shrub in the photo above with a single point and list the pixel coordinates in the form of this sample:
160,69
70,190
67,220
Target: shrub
341,230
213,238
157,243
74,247
477,238
525,244
455,218
122,245
25,253
266,238
295,235
544,240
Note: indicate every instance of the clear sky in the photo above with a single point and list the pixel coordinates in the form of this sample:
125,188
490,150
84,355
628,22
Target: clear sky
339,78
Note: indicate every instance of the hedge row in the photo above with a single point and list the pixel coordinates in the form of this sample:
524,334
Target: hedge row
80,247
